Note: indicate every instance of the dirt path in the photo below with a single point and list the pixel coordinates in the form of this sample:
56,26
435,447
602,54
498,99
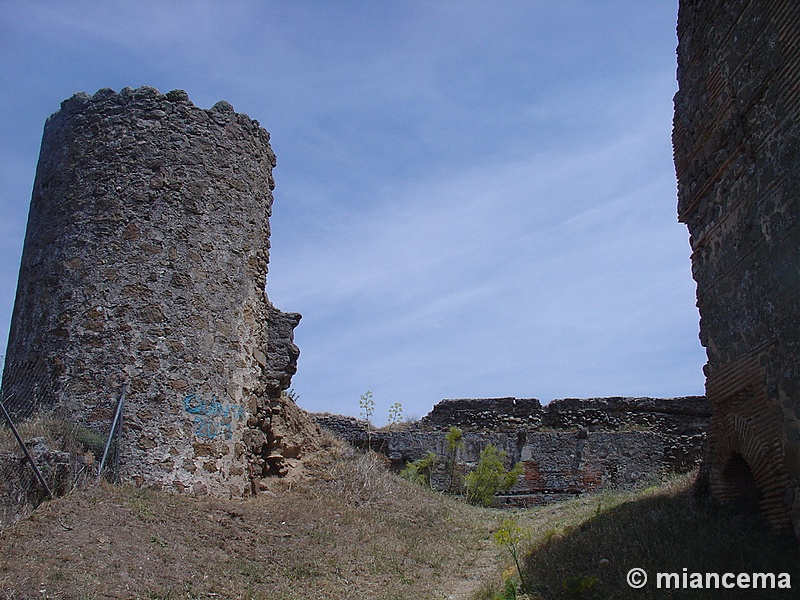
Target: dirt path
483,568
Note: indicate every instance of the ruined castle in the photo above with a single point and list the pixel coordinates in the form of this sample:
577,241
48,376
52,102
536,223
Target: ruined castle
736,142
144,269
568,447
145,261
144,265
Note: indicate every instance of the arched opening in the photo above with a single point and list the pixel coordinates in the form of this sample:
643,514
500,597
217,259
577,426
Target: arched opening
748,466
741,491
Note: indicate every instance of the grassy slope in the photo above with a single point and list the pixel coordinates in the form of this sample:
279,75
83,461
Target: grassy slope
352,530
662,529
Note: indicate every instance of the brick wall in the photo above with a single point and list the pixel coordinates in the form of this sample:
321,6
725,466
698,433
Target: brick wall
736,142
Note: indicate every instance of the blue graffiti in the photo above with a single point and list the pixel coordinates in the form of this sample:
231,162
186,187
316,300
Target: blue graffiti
198,406
211,429
213,419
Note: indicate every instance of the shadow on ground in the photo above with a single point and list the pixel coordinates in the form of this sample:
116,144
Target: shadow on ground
667,531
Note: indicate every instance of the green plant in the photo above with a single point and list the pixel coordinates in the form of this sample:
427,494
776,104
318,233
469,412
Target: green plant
509,591
455,441
586,550
91,440
395,414
367,405
510,536
420,470
578,584
138,501
490,477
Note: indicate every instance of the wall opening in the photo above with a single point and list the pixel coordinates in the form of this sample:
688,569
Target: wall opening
741,491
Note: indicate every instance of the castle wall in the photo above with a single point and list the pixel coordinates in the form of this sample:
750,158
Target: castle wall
145,261
484,413
568,447
736,142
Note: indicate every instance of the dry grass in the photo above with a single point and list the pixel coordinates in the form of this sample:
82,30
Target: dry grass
661,529
349,529
59,432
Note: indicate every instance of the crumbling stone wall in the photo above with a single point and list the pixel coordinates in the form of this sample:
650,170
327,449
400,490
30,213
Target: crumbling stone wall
484,413
736,142
145,262
687,415
568,447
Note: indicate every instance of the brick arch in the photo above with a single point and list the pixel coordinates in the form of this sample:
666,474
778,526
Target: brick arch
739,485
747,465
745,452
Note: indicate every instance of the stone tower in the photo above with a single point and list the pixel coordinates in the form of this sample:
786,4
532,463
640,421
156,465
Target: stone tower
145,263
736,141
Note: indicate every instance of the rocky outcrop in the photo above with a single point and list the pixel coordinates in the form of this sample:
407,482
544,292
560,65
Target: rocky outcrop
280,362
736,140
21,492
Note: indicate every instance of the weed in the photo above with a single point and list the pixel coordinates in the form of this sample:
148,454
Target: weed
138,502
90,440
585,547
578,584
367,405
301,571
420,471
455,441
252,571
510,537
509,591
395,414
490,477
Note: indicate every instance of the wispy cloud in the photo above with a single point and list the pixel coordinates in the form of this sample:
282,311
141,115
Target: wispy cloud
472,199
552,272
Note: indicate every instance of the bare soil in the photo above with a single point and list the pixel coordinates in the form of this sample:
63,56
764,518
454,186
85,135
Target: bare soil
340,526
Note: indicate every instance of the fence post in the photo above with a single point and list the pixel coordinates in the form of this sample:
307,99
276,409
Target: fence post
22,445
114,426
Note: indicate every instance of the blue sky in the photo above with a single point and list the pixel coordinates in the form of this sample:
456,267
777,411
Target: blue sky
473,199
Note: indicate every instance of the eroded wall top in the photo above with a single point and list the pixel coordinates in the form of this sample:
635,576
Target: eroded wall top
145,262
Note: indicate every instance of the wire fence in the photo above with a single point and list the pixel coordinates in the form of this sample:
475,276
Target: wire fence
45,448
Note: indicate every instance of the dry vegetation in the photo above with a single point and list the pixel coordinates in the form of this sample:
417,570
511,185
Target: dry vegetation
346,529
59,431
594,540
